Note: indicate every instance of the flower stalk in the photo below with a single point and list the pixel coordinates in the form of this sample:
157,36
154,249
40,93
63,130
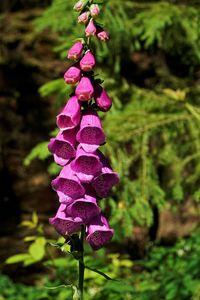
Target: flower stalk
86,176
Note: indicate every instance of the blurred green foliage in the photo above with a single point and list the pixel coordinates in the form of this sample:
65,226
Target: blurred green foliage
153,129
168,273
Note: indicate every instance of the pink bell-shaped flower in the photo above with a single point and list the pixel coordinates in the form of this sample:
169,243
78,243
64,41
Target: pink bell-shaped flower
102,99
65,224
99,232
75,51
87,63
90,135
72,75
90,30
104,181
63,146
68,183
70,115
86,165
85,208
84,90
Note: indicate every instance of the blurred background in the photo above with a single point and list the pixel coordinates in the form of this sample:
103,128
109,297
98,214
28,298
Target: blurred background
151,68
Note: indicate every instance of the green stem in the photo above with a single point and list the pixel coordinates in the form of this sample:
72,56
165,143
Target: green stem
81,264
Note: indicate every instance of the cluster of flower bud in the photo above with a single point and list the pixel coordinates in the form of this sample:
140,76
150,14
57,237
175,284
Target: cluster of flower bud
86,176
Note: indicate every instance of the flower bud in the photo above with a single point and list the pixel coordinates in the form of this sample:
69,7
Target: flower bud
102,99
103,35
84,90
79,5
84,17
94,10
87,63
75,51
90,30
72,75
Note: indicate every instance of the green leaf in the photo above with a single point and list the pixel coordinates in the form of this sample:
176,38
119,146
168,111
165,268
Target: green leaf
17,258
37,249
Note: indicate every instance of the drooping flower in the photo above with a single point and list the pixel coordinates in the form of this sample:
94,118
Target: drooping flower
87,63
68,183
102,99
90,30
86,165
84,90
99,232
94,10
104,181
84,17
72,75
103,35
63,146
65,224
75,51
70,115
90,135
86,207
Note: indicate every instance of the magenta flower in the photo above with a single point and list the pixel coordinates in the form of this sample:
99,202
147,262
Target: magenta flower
99,232
94,10
90,30
63,146
65,224
86,165
103,35
90,135
68,183
104,182
102,99
70,115
84,17
72,75
75,51
84,90
87,63
85,208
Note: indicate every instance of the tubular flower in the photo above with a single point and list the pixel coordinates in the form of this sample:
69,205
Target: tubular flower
87,63
75,51
86,165
86,175
90,30
90,135
71,114
99,232
84,90
102,99
72,75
